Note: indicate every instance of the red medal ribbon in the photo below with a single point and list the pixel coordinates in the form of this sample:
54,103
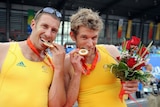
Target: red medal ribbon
32,47
89,69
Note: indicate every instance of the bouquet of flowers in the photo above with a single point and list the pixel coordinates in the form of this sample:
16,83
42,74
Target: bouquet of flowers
129,65
133,57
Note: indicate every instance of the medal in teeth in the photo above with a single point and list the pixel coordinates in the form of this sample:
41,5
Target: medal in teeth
48,44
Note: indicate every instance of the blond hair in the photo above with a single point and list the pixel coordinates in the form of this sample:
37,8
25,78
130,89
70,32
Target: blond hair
87,18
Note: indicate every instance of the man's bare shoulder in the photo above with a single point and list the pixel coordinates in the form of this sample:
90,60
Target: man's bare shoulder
4,43
67,63
4,47
3,51
112,49
107,46
67,57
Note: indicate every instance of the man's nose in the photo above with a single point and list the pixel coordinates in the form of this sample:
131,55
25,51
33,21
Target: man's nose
48,32
90,42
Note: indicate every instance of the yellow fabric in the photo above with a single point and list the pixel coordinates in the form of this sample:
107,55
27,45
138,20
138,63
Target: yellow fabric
24,83
100,88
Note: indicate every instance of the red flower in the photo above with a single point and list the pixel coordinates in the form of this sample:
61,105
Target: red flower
126,45
140,66
143,51
135,40
131,62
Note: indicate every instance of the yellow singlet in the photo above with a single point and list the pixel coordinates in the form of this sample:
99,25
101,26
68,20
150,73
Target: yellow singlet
100,88
23,83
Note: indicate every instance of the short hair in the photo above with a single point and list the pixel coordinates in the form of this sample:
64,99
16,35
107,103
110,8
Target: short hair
87,18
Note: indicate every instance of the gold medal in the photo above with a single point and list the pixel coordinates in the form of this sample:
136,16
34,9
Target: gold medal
83,52
48,44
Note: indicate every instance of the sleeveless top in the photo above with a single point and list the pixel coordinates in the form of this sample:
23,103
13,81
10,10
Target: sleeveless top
24,83
100,88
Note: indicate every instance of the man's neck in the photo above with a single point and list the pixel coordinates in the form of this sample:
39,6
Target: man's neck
89,58
30,54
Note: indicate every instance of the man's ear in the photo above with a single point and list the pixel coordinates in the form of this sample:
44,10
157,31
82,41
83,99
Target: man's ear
72,36
33,23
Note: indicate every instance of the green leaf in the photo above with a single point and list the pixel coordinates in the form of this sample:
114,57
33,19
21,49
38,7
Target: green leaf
122,65
126,74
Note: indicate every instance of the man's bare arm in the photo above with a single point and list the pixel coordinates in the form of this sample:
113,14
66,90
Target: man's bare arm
57,94
72,81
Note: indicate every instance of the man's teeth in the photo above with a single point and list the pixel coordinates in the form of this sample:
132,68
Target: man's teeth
43,40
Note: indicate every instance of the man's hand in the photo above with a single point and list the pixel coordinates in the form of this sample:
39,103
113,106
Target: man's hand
58,56
130,86
76,61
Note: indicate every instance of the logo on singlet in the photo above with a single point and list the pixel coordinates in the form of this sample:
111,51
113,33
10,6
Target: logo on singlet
21,64
44,69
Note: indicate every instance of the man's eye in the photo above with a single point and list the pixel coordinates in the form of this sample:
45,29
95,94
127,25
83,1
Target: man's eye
94,38
44,26
84,37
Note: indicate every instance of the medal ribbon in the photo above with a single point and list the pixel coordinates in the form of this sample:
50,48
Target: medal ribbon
32,47
87,68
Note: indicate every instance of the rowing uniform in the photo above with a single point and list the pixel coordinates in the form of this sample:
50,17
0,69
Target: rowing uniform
100,88
24,83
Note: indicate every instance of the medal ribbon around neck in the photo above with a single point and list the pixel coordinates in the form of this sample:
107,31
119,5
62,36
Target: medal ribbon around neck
32,47
87,68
